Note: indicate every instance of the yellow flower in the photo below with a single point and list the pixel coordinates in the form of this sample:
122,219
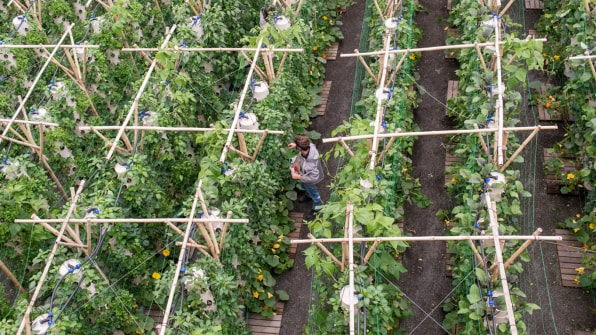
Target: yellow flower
138,331
570,175
389,328
576,280
276,246
255,294
269,295
447,223
281,237
260,271
155,276
575,230
591,225
543,55
325,17
453,181
557,57
315,48
412,56
580,270
260,277
585,246
331,22
165,252
552,21
578,216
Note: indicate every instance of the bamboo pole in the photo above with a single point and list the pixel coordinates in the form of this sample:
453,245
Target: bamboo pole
213,241
506,8
88,226
375,139
366,67
518,251
51,256
166,315
476,253
479,52
344,246
138,96
379,10
281,63
435,48
350,215
259,145
181,233
592,68
484,147
10,276
587,5
395,7
500,117
107,142
39,74
370,252
224,232
33,146
430,238
258,70
346,147
27,122
324,249
239,153
298,8
38,46
185,49
186,129
586,56
433,133
240,103
17,4
130,220
492,212
391,140
519,150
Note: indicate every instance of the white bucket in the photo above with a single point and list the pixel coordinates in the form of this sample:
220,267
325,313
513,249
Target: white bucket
282,22
260,90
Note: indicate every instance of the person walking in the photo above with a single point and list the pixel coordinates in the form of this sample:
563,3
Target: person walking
309,171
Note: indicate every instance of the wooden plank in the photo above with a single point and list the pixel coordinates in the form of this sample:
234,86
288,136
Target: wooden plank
449,160
258,324
534,4
297,217
325,97
331,51
582,332
449,4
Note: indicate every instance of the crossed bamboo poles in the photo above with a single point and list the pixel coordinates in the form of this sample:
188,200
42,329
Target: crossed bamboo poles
204,223
498,266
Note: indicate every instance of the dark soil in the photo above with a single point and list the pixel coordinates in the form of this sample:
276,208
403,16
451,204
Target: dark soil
562,309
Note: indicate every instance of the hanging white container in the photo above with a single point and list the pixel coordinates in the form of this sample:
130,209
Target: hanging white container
68,266
382,93
192,278
120,169
391,23
282,22
38,114
57,89
21,24
260,90
40,325
214,214
96,24
249,121
496,185
149,118
196,26
365,183
348,298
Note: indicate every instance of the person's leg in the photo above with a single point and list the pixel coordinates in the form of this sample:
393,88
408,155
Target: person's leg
313,193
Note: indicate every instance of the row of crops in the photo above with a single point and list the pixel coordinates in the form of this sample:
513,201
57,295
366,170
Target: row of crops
157,176
572,30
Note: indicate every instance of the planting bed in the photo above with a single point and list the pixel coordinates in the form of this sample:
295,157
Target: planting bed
420,189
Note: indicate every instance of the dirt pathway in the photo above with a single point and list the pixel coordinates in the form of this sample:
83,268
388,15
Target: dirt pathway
297,282
425,282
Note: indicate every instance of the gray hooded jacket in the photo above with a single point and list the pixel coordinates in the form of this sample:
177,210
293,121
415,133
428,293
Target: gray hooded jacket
310,167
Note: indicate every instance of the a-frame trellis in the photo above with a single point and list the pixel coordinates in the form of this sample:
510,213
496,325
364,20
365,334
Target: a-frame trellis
205,224
498,267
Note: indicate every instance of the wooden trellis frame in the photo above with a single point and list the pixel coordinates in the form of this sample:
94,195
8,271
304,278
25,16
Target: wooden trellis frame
205,225
501,136
498,266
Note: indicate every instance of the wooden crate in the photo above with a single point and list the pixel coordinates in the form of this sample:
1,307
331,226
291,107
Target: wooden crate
450,4
534,4
332,50
325,97
570,252
449,160
260,325
452,32
452,91
545,115
553,181
157,316
583,332
298,218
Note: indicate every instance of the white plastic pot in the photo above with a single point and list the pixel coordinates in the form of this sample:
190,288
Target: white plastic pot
249,121
260,90
282,22
391,23
21,24
39,114
348,299
40,325
120,169
496,185
67,265
382,93
196,26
